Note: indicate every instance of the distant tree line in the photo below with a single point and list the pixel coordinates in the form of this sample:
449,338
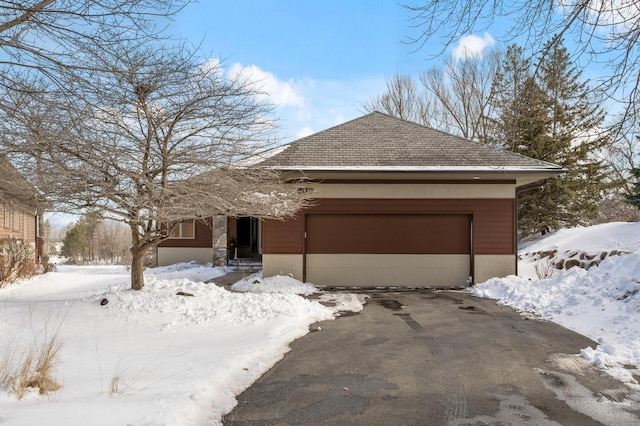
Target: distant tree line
92,240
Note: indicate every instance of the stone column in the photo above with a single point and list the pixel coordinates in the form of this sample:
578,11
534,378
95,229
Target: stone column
220,244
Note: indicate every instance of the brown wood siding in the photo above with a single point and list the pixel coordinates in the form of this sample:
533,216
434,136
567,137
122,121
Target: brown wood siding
388,234
493,220
203,237
17,231
31,228
283,237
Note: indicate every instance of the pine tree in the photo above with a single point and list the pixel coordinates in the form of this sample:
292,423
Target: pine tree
575,123
549,116
508,89
74,244
634,197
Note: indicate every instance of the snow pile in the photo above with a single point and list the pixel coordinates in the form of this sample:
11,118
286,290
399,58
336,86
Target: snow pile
277,284
150,356
581,246
602,303
204,304
597,238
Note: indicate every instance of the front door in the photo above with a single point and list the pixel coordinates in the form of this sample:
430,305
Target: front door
248,236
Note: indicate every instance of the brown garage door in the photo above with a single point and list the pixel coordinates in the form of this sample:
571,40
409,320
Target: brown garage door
388,249
388,233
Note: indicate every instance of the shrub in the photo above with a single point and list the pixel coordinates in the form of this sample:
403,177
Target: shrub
545,269
47,265
17,260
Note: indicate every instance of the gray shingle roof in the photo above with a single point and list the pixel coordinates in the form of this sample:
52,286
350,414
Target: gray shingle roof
377,141
14,187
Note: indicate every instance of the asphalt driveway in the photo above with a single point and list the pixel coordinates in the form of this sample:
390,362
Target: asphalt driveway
436,358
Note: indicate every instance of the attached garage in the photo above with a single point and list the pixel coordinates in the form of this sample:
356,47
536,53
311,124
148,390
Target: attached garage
396,249
394,203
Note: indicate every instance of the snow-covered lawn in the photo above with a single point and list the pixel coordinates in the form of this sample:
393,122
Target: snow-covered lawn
602,303
149,357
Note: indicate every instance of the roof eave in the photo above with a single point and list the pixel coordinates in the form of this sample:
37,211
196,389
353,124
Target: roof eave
521,175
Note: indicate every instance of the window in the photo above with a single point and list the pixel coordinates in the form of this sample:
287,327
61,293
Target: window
7,215
25,229
184,230
16,219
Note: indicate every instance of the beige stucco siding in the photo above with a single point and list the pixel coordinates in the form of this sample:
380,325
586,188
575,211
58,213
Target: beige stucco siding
171,255
372,270
397,270
494,265
399,191
282,264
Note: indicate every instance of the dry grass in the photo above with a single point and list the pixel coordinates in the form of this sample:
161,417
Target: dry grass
545,269
118,385
33,368
132,378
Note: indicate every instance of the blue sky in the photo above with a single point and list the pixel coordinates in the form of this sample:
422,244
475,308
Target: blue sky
320,59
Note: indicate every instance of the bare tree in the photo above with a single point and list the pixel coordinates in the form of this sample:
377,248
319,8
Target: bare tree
462,94
40,37
621,158
454,98
402,99
153,140
604,32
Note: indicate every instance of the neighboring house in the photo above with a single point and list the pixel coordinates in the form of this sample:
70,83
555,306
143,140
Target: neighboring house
19,204
394,204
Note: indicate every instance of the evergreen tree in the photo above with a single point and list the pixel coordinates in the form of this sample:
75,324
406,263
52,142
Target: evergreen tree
509,86
551,117
575,122
634,197
74,244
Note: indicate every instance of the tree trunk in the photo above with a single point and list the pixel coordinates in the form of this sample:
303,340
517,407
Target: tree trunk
137,269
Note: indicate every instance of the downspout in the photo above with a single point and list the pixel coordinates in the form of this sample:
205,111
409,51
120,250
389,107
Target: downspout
304,248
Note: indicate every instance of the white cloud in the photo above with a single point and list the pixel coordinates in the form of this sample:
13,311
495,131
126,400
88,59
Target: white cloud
280,93
305,105
339,119
305,131
472,46
606,16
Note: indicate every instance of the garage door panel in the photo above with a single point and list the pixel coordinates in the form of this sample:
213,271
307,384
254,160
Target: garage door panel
373,270
388,234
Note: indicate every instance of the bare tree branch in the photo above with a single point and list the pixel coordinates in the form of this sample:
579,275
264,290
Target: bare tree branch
605,33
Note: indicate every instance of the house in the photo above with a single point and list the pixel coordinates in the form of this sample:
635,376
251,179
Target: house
19,203
219,240
394,203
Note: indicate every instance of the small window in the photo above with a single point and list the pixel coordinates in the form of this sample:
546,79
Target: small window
7,215
16,219
184,230
25,228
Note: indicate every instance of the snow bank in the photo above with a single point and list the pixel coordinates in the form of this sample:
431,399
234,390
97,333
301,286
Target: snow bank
602,303
597,238
277,284
149,357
